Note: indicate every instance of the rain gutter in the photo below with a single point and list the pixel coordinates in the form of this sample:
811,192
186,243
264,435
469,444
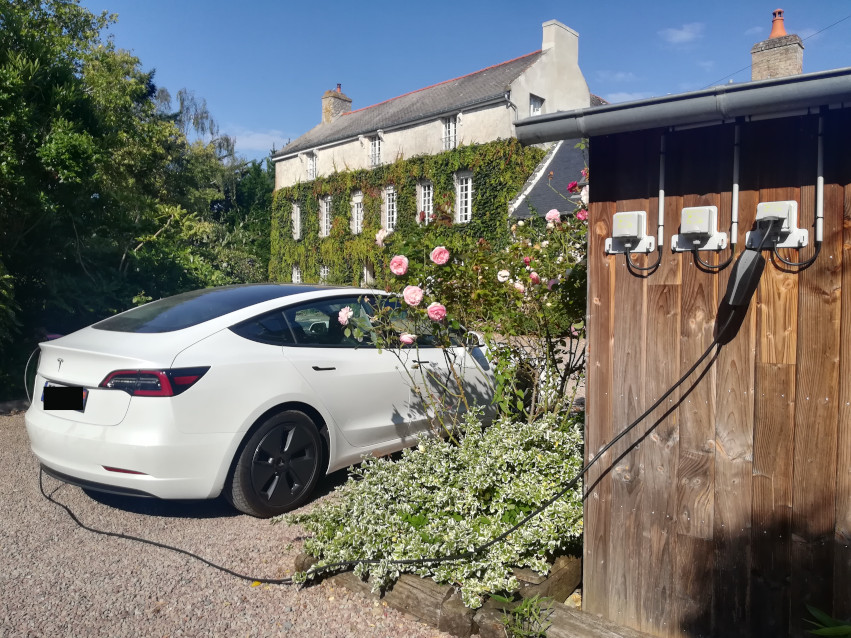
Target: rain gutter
781,97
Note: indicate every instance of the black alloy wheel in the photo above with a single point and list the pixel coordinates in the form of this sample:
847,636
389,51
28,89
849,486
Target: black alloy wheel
278,467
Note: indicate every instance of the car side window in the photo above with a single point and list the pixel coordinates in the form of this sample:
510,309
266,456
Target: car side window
317,324
270,327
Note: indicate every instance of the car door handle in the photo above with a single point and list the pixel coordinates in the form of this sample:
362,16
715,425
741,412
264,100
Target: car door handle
320,368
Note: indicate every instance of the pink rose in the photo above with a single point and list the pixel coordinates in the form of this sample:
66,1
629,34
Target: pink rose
553,216
527,260
436,311
379,237
440,255
412,295
573,187
344,315
519,287
551,283
582,215
584,172
535,277
407,338
399,265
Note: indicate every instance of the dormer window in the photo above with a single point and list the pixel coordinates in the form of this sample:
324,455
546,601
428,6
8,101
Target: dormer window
450,133
536,105
375,151
311,166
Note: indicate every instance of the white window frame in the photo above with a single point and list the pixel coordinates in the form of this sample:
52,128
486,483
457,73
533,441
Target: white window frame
391,212
357,213
463,197
324,274
312,172
325,216
450,132
375,151
296,274
296,220
536,105
426,202
368,274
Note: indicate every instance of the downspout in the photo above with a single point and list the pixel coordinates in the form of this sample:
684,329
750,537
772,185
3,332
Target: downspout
507,96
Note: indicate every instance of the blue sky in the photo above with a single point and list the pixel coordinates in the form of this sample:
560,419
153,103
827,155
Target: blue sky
262,65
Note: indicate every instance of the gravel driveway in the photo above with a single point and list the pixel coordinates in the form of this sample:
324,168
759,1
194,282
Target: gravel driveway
59,580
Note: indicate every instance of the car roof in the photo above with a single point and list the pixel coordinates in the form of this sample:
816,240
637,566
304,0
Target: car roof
197,307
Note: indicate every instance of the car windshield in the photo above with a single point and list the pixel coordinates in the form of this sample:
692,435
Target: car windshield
191,308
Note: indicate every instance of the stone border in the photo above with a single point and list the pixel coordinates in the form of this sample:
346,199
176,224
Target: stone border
440,605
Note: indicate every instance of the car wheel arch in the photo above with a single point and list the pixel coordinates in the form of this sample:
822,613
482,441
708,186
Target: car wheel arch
308,409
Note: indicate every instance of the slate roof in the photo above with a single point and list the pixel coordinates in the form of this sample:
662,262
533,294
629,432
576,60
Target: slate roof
565,161
450,96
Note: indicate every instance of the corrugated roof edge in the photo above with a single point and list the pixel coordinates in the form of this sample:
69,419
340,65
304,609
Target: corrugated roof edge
285,152
765,98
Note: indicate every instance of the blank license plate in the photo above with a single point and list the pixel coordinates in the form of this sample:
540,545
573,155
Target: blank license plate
64,397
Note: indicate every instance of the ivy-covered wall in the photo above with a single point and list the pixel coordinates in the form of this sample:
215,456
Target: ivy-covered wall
499,171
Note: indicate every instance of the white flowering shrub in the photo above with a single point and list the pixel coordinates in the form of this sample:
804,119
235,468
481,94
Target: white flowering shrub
441,499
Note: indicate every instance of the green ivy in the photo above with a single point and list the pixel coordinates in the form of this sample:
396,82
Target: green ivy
499,171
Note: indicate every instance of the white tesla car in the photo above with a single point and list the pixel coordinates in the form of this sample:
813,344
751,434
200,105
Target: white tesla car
252,391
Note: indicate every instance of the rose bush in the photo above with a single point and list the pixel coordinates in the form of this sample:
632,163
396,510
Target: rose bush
449,496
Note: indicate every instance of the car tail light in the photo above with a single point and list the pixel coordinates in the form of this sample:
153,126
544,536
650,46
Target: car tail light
154,383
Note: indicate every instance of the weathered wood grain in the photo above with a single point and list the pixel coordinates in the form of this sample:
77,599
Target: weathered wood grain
734,460
772,499
817,417
660,448
628,398
696,468
598,415
842,534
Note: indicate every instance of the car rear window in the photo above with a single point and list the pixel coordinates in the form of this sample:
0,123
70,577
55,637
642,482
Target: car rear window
191,308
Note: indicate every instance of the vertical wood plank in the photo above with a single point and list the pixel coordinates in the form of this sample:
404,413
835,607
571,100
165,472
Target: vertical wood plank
628,403
696,467
598,415
734,460
817,416
842,537
777,309
658,511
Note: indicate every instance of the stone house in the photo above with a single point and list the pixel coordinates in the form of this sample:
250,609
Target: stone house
474,109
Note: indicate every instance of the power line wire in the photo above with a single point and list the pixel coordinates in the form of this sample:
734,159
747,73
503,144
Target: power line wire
745,68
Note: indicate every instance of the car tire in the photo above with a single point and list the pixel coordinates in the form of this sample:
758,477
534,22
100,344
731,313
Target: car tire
278,466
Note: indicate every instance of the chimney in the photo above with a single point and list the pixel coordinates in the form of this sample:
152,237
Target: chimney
334,104
562,37
778,56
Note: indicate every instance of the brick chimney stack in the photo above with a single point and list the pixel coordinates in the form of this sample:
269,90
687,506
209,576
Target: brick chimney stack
334,104
778,56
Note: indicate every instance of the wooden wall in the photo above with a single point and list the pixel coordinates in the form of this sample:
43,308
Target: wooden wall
734,509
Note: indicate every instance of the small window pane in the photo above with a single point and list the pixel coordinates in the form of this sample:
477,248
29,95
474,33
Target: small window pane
390,208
